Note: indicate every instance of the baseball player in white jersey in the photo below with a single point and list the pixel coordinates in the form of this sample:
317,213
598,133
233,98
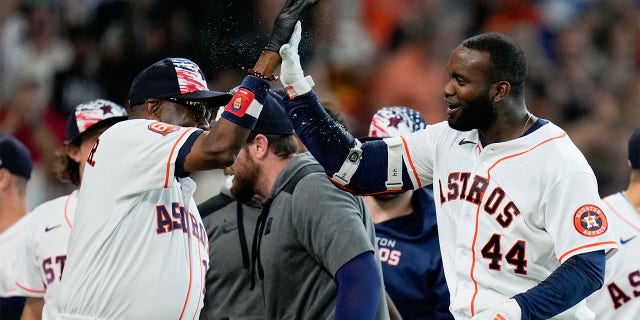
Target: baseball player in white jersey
15,172
42,261
138,249
521,226
619,298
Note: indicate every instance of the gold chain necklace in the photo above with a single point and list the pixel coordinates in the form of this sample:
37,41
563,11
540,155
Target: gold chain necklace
529,117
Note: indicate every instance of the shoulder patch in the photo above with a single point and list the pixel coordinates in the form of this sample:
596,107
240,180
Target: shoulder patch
163,128
589,220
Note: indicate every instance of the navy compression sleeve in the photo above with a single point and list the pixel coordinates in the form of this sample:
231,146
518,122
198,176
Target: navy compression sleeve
330,144
359,288
573,281
328,141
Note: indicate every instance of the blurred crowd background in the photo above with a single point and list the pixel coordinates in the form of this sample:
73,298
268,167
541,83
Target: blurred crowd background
584,62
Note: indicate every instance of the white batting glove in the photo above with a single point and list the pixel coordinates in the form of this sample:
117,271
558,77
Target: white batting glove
508,310
291,74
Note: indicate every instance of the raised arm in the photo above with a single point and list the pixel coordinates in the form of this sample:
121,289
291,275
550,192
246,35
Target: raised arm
218,147
360,168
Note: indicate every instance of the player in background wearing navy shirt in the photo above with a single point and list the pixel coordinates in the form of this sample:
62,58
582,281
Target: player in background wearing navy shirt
407,233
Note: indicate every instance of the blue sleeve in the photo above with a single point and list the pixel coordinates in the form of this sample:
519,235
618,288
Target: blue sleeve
359,288
183,152
573,281
330,143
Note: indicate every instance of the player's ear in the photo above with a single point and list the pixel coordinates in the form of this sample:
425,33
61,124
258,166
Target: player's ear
500,90
5,178
73,152
261,146
152,106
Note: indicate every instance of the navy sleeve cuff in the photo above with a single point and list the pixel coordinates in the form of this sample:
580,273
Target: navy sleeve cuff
183,152
573,281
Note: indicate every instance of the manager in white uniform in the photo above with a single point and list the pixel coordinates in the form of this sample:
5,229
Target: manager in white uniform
138,249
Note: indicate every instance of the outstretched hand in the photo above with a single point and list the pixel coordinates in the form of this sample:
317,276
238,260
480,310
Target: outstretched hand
291,73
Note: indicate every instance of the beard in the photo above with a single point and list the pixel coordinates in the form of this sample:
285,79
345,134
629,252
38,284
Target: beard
478,113
244,181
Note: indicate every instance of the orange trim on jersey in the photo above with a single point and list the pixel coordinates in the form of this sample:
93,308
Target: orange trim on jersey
473,262
413,167
523,152
499,317
186,299
66,212
28,289
585,246
620,215
173,149
475,234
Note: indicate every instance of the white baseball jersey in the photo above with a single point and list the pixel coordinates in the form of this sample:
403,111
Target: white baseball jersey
507,214
41,263
619,297
11,241
138,249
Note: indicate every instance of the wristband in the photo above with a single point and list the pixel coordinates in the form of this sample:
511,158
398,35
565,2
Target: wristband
245,106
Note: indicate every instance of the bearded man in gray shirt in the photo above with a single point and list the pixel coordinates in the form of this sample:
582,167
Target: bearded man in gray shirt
314,245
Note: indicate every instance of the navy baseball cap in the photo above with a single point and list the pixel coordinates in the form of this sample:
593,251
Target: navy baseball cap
14,156
177,78
273,119
88,114
394,121
634,149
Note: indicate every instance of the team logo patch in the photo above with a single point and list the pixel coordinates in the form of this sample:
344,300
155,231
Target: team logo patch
240,102
590,221
163,128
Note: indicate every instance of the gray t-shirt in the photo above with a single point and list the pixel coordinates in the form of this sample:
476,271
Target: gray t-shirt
308,236
228,279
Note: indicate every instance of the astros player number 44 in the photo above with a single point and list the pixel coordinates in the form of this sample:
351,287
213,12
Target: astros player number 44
521,226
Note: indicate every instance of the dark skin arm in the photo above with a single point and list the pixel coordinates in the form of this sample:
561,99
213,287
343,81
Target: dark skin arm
216,148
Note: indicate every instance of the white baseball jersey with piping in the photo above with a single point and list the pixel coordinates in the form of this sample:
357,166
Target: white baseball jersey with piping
142,252
505,227
619,297
40,265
